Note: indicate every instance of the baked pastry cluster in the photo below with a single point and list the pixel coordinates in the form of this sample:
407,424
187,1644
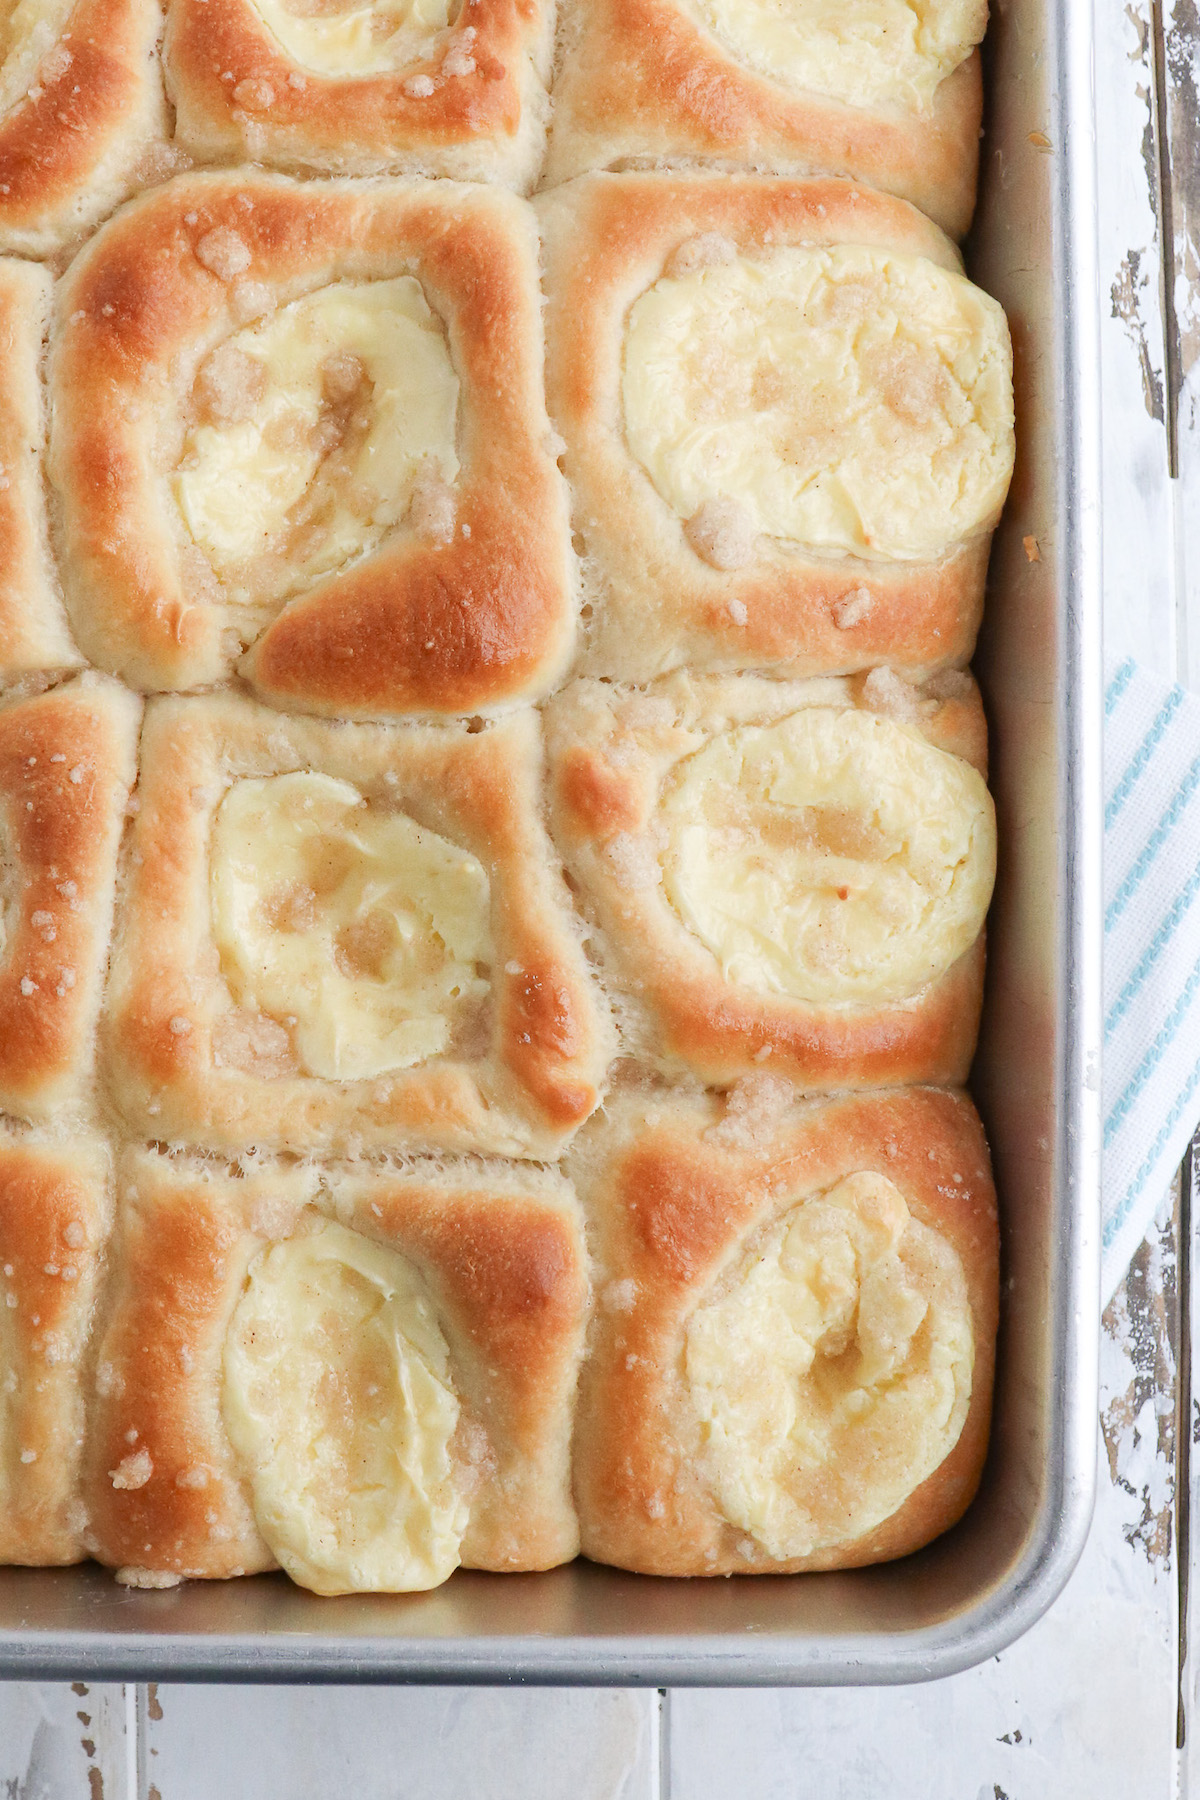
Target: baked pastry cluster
494,834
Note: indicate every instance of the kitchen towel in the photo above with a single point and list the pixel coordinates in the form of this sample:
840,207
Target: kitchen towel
1151,950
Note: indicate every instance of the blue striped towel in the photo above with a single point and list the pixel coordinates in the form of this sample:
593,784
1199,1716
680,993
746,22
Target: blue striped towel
1151,950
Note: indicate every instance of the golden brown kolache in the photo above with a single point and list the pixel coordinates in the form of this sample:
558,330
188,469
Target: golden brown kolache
790,1362
430,90
34,638
447,1003
83,120
55,1218
494,837
702,334
889,97
67,762
789,876
365,1375
430,571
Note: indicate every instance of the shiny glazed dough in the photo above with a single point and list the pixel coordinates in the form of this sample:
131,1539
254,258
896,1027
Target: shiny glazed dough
835,857
869,53
363,931
312,431
832,1374
338,1399
850,400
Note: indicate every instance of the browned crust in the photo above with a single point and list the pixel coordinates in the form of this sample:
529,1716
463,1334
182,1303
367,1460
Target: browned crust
413,628
931,1038
508,1268
669,1206
503,1253
54,1218
66,767
238,94
641,81
656,605
69,147
182,1245
541,1074
33,629
679,1011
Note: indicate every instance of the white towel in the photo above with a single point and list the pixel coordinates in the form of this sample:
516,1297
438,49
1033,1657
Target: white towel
1151,950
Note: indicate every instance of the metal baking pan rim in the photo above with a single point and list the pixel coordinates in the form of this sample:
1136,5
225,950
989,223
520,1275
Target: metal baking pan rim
111,1633
712,1660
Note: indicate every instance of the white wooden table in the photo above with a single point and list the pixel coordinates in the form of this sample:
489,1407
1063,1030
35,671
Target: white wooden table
1101,1700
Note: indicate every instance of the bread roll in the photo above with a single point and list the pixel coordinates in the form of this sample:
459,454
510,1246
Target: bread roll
67,762
83,121
790,1365
402,87
310,417
783,876
33,629
365,1376
788,424
880,92
55,1207
342,937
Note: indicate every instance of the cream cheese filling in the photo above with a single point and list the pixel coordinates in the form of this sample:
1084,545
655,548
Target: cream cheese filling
344,37
835,857
831,1373
365,934
868,53
310,432
30,46
339,1401
848,400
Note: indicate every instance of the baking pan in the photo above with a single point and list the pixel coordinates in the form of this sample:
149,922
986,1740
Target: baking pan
1036,1080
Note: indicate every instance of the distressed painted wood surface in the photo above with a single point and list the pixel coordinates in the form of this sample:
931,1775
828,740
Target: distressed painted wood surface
1089,1705
1181,139
61,1741
1139,565
414,1743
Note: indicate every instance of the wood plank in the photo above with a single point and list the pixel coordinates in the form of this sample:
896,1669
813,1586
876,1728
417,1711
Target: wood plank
1082,1708
247,1743
1180,58
1181,55
1139,575
63,1741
